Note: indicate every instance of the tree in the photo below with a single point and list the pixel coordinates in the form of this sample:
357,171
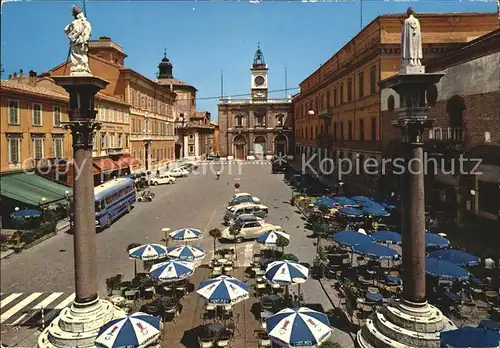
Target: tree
282,242
235,232
216,234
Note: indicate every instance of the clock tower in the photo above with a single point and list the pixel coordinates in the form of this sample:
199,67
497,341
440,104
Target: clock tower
259,76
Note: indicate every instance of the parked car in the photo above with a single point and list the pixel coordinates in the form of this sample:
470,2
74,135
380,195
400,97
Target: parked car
162,179
243,199
258,210
242,230
178,173
246,218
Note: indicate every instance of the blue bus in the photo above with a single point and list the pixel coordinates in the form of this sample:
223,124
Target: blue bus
113,199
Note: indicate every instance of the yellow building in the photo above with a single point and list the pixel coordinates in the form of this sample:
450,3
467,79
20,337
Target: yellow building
337,112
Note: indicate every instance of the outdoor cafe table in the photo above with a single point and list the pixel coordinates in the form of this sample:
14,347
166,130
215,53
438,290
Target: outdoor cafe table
213,330
392,280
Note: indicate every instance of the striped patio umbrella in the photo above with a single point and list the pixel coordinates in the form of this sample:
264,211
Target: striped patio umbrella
286,272
298,327
132,330
271,237
186,252
148,252
223,290
186,234
172,271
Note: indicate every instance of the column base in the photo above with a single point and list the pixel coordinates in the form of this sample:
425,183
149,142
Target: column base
404,324
78,325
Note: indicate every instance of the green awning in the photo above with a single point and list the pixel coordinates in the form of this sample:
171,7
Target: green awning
31,188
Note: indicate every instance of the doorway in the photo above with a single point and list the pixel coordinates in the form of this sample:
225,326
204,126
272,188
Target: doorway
259,147
239,145
280,145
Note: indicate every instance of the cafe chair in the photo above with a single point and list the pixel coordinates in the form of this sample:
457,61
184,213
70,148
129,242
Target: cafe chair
233,325
116,292
130,295
206,342
264,340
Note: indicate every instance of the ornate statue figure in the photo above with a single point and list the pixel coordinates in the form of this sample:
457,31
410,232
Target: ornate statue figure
411,41
78,32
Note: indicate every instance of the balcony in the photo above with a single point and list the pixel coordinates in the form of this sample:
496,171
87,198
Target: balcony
446,134
326,113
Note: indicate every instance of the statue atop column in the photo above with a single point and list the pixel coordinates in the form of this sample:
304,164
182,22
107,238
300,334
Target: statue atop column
411,44
78,32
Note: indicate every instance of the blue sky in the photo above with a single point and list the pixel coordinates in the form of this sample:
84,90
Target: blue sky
202,38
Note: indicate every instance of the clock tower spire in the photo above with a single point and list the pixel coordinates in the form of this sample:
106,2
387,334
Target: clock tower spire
259,76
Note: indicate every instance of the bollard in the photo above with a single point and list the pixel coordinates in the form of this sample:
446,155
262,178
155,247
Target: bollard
43,319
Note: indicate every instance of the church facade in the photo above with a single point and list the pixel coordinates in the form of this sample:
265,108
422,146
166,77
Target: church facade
257,127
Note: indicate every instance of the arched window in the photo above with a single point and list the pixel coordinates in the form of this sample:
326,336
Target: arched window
280,120
455,109
239,120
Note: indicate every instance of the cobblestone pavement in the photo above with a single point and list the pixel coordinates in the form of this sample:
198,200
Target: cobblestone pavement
197,201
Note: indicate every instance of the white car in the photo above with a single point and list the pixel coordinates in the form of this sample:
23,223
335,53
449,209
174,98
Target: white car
178,173
162,179
240,198
243,230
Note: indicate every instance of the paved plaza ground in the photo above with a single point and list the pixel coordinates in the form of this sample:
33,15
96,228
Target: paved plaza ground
197,201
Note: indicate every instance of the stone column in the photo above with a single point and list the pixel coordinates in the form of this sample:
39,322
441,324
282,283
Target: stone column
196,144
186,146
77,326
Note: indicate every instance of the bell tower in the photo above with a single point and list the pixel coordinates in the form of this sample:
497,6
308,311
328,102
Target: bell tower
259,76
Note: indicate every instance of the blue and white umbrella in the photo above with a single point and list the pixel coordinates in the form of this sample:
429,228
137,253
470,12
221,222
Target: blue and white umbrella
132,330
445,270
388,237
172,271
435,241
298,327
186,234
186,252
376,251
148,252
286,272
458,257
223,290
271,237
25,214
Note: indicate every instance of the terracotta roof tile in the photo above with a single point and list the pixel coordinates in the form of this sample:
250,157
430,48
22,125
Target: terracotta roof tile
32,88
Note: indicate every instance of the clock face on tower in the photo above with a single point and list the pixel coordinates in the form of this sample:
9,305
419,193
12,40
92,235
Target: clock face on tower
259,80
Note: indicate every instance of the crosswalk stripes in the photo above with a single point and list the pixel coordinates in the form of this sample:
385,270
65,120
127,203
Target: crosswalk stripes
22,307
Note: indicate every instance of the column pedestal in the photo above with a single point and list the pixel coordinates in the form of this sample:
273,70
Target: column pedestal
403,324
78,326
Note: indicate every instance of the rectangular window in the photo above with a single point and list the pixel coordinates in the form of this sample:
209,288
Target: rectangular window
373,79
13,112
94,141
127,139
58,147
349,130
126,116
118,115
37,114
341,93
335,97
112,140
191,148
38,148
132,97
374,128
120,136
361,85
349,90
341,130
328,101
488,196
111,114
14,150
57,116
361,129
104,145
102,113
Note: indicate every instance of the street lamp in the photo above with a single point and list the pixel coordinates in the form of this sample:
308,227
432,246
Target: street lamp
311,112
166,230
42,205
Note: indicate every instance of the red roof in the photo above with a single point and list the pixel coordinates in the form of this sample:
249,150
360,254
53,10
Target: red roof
105,164
130,161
